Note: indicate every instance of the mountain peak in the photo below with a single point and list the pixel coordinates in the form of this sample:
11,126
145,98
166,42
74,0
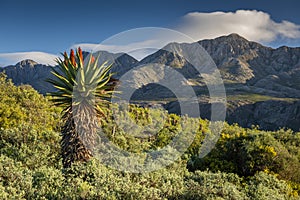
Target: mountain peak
232,37
235,36
27,62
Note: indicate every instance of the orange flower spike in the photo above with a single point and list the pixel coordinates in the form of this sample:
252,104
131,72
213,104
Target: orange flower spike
93,59
72,58
80,55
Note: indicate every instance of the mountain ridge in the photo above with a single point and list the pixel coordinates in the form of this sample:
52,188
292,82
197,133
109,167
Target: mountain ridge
255,76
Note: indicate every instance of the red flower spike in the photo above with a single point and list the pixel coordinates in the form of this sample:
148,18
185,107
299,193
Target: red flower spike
65,58
80,54
72,57
93,59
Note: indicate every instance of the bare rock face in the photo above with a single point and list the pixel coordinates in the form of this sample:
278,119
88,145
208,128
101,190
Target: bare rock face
268,115
248,62
250,69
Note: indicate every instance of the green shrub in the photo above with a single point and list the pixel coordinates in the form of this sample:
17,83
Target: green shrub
23,104
208,185
248,151
15,179
30,147
264,186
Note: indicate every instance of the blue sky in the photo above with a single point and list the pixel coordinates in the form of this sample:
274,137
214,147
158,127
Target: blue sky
54,26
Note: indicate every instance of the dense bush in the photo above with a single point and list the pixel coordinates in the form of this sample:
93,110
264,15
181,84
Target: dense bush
245,164
94,181
24,104
34,148
248,151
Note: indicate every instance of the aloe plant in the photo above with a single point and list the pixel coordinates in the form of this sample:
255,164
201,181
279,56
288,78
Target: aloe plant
83,89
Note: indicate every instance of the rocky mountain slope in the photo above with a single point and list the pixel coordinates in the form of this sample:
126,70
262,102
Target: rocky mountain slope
250,63
262,83
32,73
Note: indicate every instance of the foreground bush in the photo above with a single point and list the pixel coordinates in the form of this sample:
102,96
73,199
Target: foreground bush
94,181
247,152
245,164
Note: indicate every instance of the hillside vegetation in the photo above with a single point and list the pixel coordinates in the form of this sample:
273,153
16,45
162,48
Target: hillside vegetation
245,163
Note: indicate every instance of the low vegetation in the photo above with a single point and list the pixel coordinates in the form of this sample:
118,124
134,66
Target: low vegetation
245,163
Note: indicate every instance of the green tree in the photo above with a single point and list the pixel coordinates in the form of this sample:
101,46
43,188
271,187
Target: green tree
82,91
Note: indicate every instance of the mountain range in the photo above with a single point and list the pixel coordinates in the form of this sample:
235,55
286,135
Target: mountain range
262,83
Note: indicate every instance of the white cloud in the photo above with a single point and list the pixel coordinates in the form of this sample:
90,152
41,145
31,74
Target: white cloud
39,57
136,49
251,24
115,48
138,42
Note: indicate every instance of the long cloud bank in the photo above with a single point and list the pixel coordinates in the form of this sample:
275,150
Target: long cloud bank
39,57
